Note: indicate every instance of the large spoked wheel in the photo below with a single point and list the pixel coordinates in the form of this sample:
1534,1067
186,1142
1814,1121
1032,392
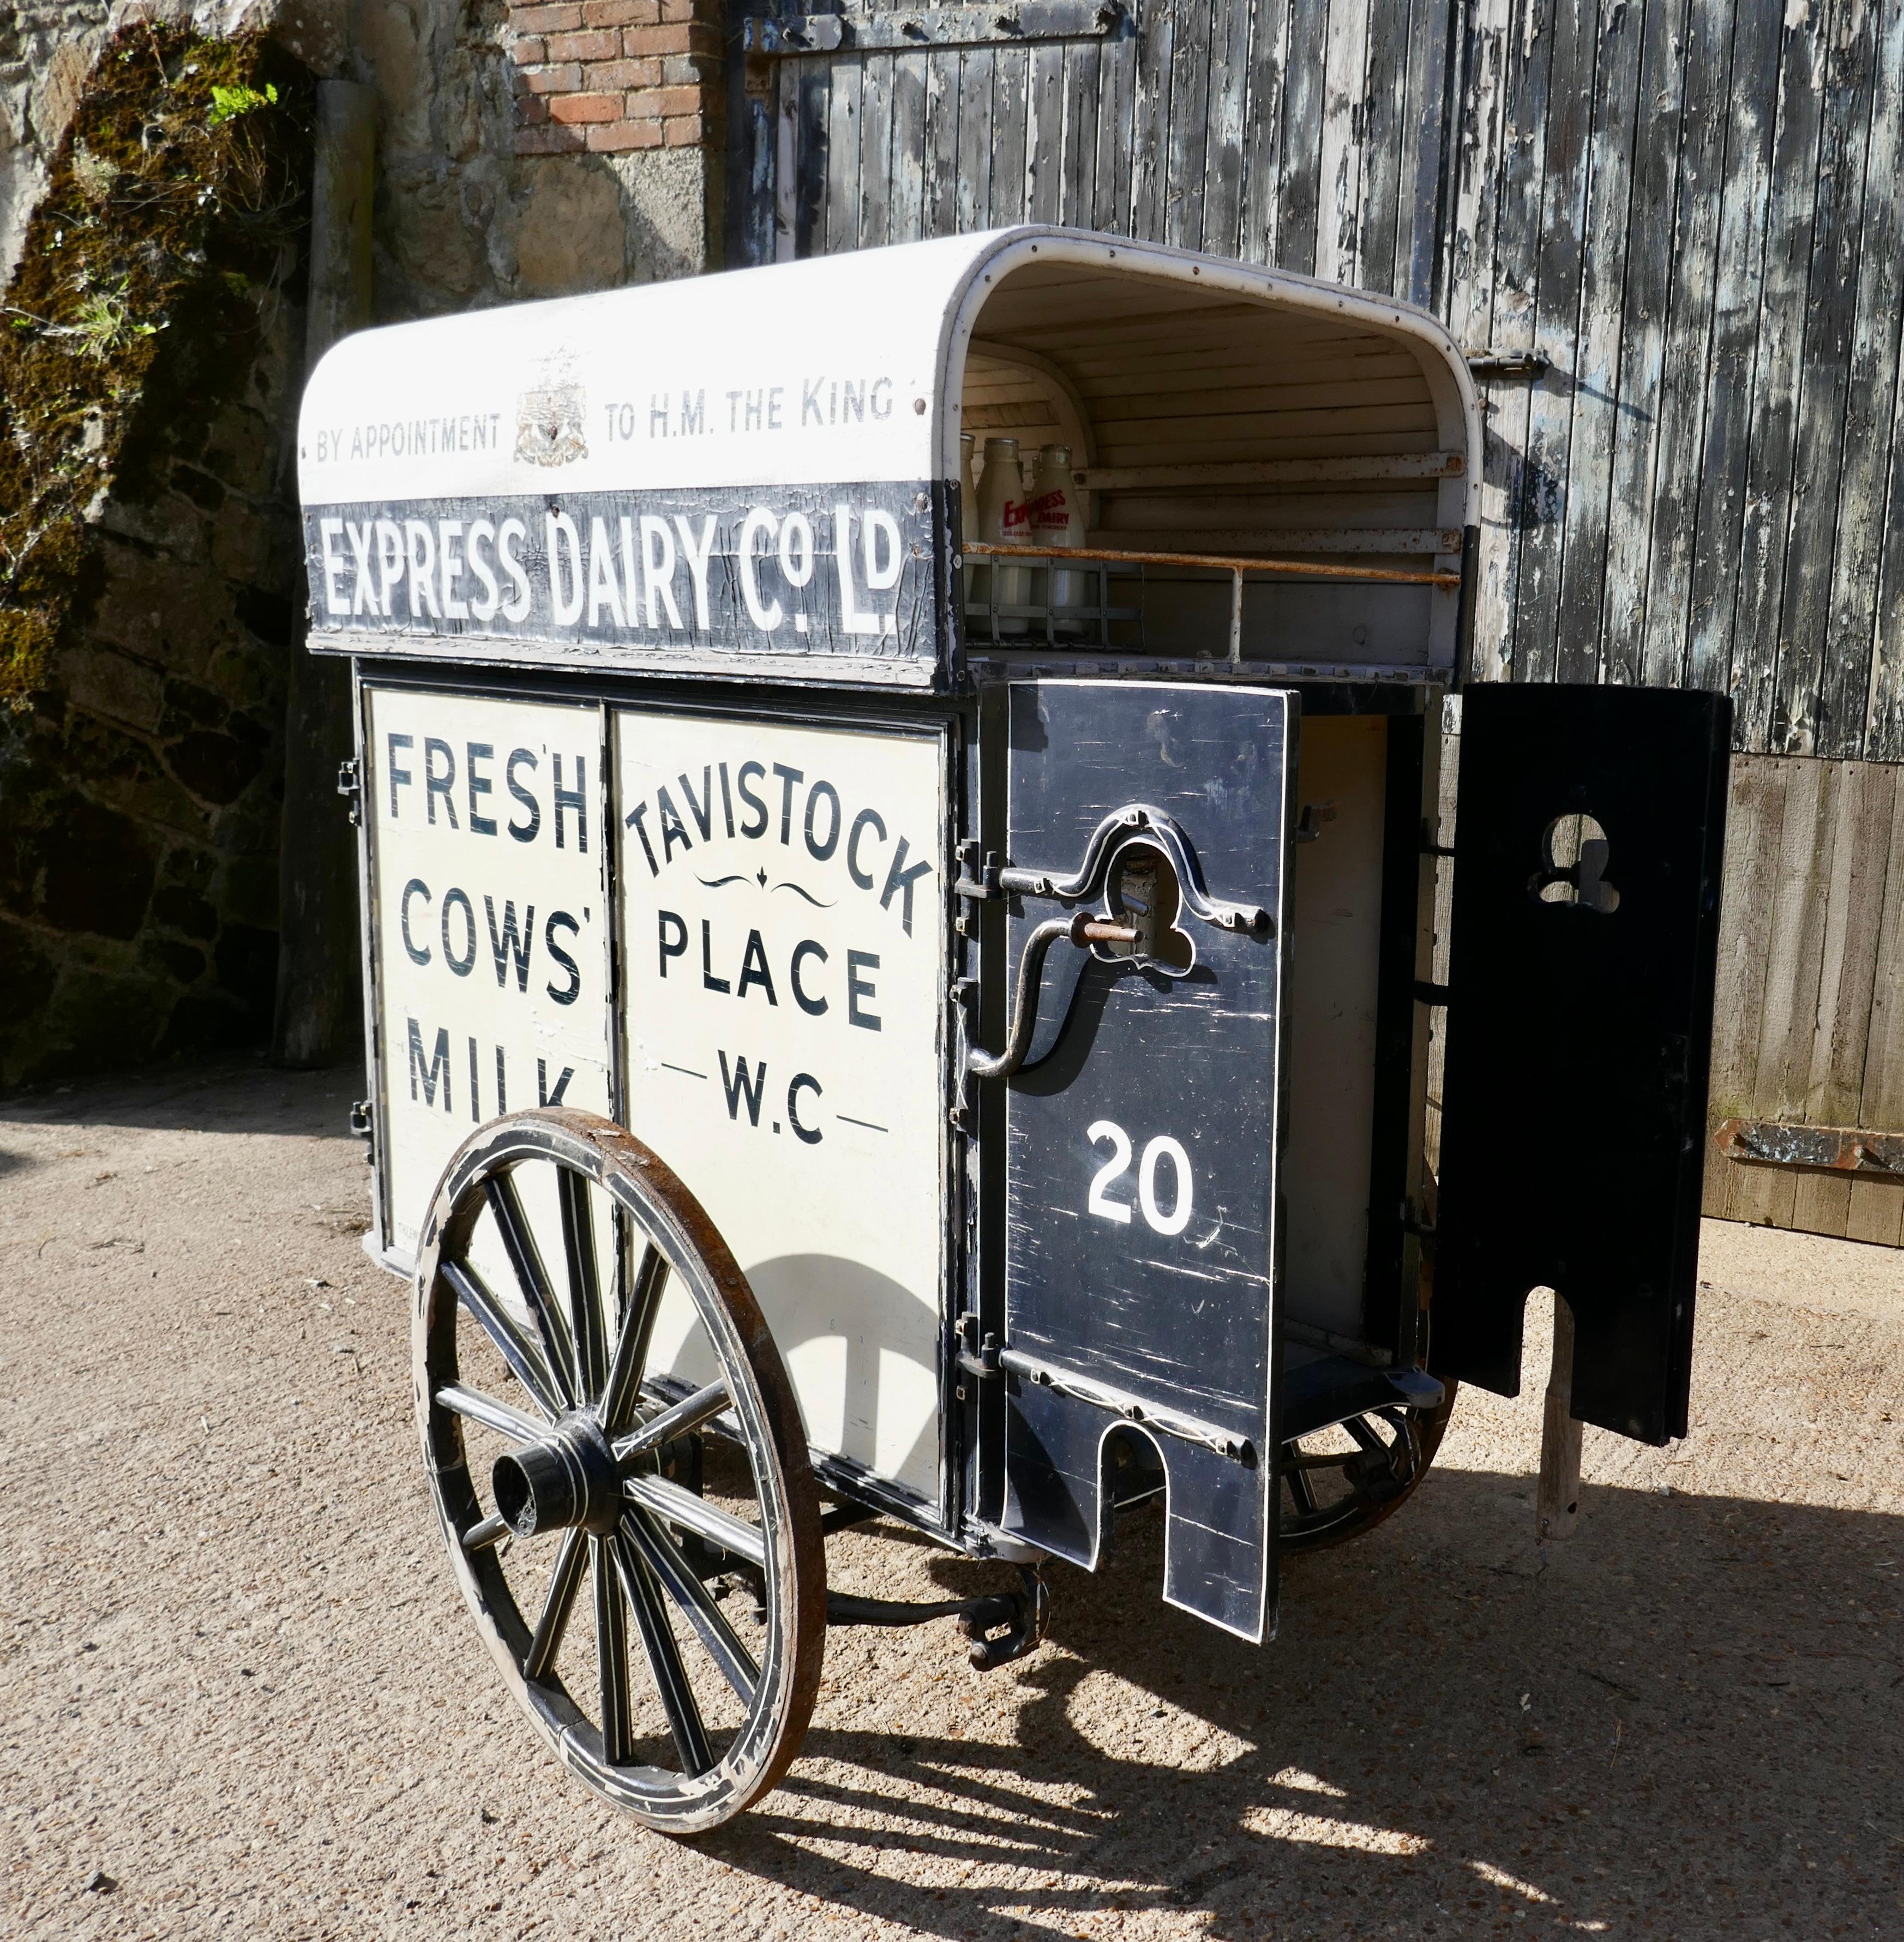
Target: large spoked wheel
556,1459
1343,1480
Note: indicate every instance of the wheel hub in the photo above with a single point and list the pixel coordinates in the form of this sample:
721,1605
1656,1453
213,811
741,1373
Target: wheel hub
569,1479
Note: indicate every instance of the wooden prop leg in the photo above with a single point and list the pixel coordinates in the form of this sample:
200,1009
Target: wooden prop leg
1558,1502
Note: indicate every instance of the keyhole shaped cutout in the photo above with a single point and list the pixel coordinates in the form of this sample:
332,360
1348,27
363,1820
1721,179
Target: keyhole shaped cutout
1575,850
1143,893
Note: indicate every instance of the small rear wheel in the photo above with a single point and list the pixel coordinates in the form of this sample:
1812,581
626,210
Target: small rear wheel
556,1460
1339,1482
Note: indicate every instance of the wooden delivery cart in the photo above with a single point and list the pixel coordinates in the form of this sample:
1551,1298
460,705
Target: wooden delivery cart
863,1015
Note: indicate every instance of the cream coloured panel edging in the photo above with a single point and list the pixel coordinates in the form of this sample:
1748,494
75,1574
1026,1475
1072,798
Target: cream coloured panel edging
782,945
490,922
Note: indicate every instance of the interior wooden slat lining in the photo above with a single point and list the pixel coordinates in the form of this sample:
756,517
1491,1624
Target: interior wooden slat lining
1264,401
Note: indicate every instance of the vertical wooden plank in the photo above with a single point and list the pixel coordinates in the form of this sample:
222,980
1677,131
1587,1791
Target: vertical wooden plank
1384,118
1753,832
1830,303
1596,403
1567,127
906,221
1010,83
1339,214
811,174
1044,141
1117,118
1187,151
1425,166
1658,224
1303,85
845,79
1777,374
1821,1203
1222,229
1870,414
942,104
1151,126
1665,616
1263,126
876,79
1876,1212
1077,202
974,197
1488,151
786,158
1751,128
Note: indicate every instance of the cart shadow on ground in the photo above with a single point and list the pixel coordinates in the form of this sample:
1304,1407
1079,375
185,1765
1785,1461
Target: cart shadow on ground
1686,1723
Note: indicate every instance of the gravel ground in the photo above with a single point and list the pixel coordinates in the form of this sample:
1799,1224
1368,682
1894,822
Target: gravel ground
238,1695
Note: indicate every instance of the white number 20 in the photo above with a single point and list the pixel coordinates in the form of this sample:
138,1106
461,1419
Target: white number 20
1162,1147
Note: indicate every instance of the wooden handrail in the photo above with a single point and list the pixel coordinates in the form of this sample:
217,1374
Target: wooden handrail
1392,576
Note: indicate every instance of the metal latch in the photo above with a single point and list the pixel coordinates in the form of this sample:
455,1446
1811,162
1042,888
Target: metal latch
976,1356
364,1126
351,790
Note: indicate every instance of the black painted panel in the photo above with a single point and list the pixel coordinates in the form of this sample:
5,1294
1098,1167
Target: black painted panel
1182,1321
1579,1037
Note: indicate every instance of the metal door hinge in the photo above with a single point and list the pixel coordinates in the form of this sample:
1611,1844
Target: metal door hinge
1017,20
351,789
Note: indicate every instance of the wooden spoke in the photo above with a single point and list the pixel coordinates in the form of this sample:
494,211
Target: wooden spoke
493,1415
612,1652
688,1414
518,1243
664,1659
646,1278
1364,1434
584,1284
1303,1491
686,1512
663,1556
563,1581
480,1536
522,1355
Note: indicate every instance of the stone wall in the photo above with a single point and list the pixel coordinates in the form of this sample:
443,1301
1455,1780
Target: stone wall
140,780
150,557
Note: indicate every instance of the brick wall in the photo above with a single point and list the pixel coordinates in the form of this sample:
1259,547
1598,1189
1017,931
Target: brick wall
612,76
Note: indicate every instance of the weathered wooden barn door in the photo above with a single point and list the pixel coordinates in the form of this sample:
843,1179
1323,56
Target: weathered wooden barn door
1670,234
1290,131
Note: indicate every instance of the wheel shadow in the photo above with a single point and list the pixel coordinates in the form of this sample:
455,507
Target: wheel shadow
1687,1722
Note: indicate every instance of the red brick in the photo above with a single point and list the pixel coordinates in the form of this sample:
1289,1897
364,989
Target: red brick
547,141
532,110
620,13
686,131
585,107
562,80
527,50
668,101
623,74
639,40
602,44
561,20
705,39
617,138
677,9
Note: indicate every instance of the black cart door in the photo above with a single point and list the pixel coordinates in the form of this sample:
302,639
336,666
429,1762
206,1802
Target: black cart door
1141,1133
1589,846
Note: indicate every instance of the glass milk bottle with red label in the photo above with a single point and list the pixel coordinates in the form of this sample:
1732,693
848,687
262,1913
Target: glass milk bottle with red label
1058,524
1004,519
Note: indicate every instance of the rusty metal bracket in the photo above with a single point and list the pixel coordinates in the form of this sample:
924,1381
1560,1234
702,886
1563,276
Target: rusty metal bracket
1813,1148
1018,21
1132,1409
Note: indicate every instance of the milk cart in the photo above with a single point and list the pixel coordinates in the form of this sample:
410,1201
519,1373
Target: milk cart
862,1013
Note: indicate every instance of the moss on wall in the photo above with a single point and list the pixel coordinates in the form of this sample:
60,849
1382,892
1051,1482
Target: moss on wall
148,561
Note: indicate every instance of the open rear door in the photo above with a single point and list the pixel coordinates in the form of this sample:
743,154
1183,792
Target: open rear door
1589,847
1142,1134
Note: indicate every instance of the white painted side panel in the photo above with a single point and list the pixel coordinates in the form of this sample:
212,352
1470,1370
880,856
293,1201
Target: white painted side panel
803,1106
491,943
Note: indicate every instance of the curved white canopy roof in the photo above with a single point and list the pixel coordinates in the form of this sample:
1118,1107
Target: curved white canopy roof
852,367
